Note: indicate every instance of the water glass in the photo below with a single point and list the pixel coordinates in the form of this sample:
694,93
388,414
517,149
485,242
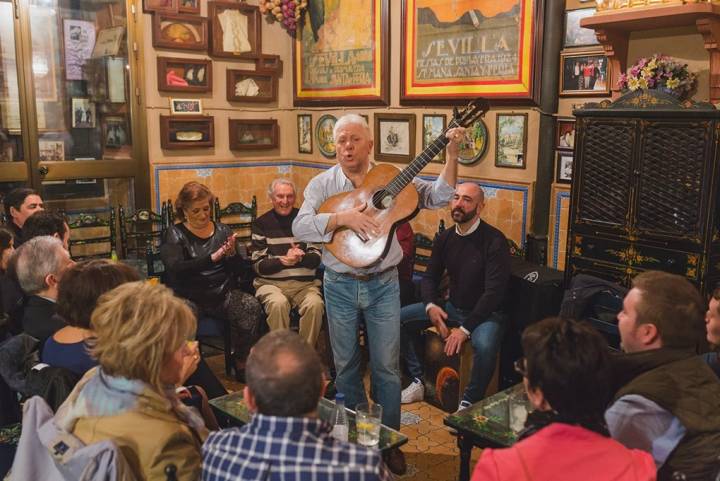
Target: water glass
367,421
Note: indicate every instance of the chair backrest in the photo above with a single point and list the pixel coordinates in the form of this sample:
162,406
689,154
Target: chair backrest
515,249
238,216
423,249
92,236
142,229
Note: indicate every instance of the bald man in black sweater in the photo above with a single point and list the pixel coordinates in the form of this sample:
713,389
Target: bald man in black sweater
477,259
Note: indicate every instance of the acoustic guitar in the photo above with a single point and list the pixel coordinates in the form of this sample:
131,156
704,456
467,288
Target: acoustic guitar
391,198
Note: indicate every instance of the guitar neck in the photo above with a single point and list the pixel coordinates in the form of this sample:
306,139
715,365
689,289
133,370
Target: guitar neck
413,169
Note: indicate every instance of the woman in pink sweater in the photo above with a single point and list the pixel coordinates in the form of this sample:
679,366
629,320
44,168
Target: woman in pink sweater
567,378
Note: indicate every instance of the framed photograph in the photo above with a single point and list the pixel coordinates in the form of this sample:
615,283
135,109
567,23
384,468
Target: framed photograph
304,133
51,150
565,134
511,140
185,132
79,40
564,161
324,135
584,74
394,137
474,144
83,113
116,76
185,106
184,75
160,6
189,6
115,132
575,35
108,42
236,30
343,58
455,50
251,85
433,125
179,32
253,134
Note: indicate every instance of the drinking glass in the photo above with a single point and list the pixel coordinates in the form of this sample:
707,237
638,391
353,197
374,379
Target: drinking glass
367,421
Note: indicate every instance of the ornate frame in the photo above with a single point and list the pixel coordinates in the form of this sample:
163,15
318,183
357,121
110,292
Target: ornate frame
216,33
375,90
525,87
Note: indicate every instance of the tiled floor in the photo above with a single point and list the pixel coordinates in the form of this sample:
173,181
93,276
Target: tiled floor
431,451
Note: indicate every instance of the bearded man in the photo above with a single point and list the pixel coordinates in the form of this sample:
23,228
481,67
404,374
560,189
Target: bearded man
477,259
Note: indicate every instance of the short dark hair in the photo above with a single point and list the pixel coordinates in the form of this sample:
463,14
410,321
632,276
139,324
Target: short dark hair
44,222
674,305
82,285
284,374
189,193
15,198
569,361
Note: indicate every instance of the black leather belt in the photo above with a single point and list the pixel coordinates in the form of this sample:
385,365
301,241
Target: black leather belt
366,277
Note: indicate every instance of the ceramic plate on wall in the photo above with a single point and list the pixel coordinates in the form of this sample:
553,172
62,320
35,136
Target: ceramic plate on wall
475,143
324,135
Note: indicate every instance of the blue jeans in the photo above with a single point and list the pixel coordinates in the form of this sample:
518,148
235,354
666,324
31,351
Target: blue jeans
378,300
485,339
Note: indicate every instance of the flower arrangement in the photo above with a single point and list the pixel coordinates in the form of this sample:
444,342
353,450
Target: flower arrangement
659,72
287,12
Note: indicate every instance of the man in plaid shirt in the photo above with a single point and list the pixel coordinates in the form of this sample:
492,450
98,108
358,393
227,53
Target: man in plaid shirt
285,440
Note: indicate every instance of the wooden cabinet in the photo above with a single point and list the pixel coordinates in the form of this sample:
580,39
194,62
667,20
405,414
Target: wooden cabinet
645,189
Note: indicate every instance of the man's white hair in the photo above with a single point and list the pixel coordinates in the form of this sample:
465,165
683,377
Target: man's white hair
349,119
36,259
280,181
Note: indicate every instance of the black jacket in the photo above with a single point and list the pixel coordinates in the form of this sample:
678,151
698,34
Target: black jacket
39,319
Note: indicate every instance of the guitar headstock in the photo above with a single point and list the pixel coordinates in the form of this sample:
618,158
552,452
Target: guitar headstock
475,109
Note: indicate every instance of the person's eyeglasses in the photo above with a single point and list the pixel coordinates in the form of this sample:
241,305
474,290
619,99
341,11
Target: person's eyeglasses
519,366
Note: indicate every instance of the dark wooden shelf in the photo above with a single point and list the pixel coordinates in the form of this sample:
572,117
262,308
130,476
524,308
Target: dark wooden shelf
613,28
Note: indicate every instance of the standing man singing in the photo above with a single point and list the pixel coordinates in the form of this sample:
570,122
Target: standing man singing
372,293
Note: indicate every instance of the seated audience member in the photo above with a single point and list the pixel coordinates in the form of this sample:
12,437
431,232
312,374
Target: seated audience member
39,265
202,265
143,353
46,222
286,268
712,325
40,223
20,204
7,249
476,257
285,440
81,286
668,402
566,374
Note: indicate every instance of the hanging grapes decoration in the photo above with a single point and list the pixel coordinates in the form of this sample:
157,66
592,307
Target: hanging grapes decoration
287,12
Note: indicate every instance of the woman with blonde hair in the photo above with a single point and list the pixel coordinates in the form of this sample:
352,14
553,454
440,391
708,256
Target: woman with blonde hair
142,346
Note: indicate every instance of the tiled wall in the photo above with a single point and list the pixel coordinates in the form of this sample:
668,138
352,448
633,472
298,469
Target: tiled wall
507,205
559,215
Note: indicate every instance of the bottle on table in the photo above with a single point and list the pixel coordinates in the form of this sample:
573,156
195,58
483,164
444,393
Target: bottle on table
340,421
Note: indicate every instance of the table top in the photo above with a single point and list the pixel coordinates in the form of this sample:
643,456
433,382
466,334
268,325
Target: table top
496,420
233,406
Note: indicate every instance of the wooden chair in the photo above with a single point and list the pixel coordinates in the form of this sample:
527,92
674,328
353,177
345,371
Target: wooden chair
92,236
140,236
238,216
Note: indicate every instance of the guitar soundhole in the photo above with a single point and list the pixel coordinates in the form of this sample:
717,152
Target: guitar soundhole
382,199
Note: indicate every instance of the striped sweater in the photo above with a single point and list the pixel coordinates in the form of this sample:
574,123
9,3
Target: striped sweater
271,238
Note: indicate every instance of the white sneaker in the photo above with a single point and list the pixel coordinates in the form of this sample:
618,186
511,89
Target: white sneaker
463,405
413,393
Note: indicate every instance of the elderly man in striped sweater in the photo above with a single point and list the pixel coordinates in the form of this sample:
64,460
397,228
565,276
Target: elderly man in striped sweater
286,268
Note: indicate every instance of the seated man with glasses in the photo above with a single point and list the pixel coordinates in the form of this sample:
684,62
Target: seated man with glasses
566,374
